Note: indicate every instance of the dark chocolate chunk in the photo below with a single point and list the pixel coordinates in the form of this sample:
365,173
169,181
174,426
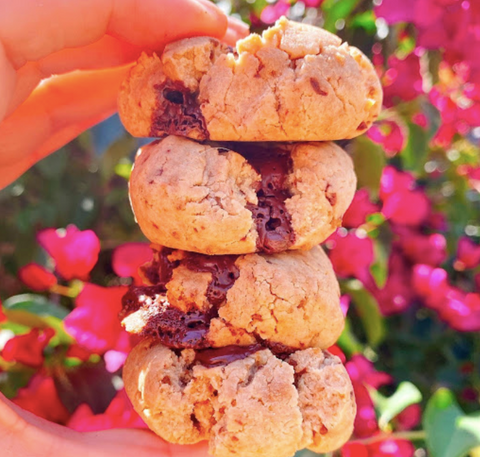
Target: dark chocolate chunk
316,87
173,327
274,224
177,111
223,356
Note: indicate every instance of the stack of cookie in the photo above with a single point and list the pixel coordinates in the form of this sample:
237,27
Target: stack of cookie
240,303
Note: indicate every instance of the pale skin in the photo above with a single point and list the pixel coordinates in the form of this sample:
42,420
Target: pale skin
101,38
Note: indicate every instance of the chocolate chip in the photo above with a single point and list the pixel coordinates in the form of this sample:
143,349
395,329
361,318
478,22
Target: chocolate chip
316,87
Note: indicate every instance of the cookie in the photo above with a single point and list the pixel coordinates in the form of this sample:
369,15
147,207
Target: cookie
266,197
198,301
296,82
244,401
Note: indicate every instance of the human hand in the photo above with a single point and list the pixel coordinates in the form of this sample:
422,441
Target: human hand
23,434
99,37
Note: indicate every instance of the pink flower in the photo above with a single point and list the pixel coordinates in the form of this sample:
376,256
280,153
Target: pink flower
365,423
385,448
361,370
344,304
402,203
273,12
468,254
119,414
402,80
28,348
40,397
389,134
75,252
2,314
418,248
350,254
397,294
459,309
94,322
409,418
394,11
36,277
391,448
359,209
421,120
128,258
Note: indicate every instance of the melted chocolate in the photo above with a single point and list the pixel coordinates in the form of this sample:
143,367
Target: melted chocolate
224,274
223,356
173,327
177,111
274,224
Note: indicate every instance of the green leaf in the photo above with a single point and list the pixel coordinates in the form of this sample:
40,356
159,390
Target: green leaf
406,394
348,342
37,311
450,433
365,21
369,160
335,10
379,269
368,310
124,168
415,152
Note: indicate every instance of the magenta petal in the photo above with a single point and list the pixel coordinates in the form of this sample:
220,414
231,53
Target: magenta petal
129,257
36,277
75,252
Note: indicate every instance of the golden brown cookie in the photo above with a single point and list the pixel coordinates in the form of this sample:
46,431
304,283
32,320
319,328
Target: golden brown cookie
268,197
198,301
244,401
296,82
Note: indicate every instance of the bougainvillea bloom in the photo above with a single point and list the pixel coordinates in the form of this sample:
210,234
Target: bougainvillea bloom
402,80
402,203
272,12
350,254
360,369
359,209
409,418
36,277
389,134
2,315
128,258
119,414
385,448
419,248
40,397
75,252
397,294
468,254
28,348
94,322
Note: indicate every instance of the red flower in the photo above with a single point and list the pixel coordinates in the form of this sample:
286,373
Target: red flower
2,315
36,277
365,424
119,414
468,254
350,254
28,348
389,134
359,209
94,322
40,397
128,258
335,350
75,252
394,11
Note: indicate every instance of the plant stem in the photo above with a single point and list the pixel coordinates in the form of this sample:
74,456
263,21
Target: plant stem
412,436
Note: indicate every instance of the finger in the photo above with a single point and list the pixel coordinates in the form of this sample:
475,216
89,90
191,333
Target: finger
27,33
56,112
105,53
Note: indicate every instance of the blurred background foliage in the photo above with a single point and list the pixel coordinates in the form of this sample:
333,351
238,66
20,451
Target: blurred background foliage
406,322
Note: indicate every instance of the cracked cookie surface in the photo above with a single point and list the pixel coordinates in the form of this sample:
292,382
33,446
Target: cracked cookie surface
296,82
207,198
283,300
255,405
